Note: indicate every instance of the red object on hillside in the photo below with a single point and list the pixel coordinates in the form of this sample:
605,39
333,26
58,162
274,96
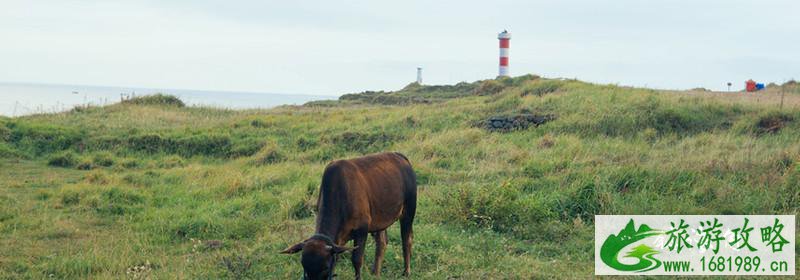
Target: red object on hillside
750,86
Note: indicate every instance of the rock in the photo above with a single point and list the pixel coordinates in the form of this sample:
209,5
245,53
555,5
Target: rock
507,123
497,124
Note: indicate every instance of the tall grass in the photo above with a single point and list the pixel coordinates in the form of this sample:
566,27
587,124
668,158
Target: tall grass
143,190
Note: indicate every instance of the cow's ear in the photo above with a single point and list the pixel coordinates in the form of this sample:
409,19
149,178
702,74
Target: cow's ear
294,248
336,249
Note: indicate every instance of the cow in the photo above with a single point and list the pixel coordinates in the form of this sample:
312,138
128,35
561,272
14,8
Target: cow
357,197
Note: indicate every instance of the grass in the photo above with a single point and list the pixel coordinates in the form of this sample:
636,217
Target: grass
158,190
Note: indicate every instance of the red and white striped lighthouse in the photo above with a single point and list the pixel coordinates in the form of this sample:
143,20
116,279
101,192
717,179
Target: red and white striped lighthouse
505,39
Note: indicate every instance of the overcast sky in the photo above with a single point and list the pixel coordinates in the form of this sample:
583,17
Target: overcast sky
335,47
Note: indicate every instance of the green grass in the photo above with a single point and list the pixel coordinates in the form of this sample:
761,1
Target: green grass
143,189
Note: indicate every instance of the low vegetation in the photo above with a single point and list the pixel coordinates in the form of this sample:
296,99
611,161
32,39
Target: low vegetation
150,188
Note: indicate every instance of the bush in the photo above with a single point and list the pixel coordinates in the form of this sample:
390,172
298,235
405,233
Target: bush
64,159
156,99
489,87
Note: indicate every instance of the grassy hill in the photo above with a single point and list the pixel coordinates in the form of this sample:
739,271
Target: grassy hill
151,188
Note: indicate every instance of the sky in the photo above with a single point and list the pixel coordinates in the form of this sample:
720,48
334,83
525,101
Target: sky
337,47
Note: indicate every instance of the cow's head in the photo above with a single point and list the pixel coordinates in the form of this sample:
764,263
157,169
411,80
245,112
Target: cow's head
318,258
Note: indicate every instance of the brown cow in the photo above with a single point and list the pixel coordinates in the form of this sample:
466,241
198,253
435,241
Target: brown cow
359,196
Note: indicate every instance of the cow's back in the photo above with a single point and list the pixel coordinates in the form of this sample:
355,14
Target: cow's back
375,188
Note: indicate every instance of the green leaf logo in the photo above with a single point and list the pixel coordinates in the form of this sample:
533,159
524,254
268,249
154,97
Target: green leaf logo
614,245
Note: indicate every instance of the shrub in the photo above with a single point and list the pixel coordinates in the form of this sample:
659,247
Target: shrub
64,159
156,99
489,87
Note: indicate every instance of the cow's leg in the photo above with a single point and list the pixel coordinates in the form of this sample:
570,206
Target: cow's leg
360,241
380,249
407,232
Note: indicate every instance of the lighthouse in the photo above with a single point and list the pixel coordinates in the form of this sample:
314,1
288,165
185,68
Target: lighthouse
505,39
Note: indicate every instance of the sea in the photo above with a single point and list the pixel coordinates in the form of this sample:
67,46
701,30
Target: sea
19,99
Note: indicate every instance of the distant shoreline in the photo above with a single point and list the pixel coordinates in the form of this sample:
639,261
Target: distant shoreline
21,98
